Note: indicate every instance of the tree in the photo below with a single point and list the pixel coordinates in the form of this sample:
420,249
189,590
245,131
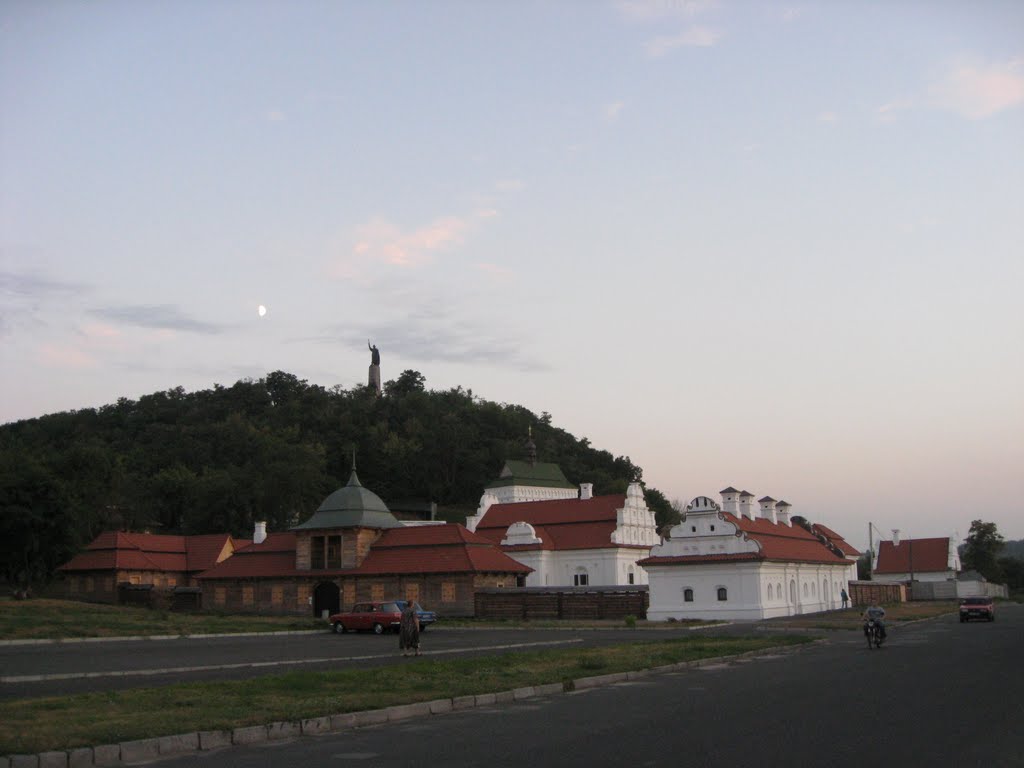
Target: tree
408,381
981,550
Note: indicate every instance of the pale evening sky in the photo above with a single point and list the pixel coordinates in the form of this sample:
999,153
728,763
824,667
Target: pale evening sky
775,246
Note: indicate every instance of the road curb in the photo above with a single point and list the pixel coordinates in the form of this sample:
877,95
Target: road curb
127,638
197,742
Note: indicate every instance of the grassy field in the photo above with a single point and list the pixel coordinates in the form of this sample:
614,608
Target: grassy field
43,618
36,725
850,618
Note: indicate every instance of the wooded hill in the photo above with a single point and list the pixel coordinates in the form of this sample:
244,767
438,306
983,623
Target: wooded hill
217,460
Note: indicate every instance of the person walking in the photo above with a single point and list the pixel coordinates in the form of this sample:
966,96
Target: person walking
409,630
846,597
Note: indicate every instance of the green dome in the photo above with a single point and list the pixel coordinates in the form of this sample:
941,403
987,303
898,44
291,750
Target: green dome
352,506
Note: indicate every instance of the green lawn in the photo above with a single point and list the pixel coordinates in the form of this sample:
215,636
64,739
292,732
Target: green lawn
850,618
36,725
43,618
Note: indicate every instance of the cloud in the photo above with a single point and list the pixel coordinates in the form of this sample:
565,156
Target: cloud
495,270
431,334
828,117
381,240
694,37
25,295
979,91
158,316
612,110
276,116
650,10
59,356
510,185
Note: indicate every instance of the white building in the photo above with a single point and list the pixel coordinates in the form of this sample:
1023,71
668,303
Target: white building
741,560
576,541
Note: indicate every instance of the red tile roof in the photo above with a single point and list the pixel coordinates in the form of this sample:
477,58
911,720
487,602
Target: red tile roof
929,556
560,524
836,539
778,542
119,550
407,550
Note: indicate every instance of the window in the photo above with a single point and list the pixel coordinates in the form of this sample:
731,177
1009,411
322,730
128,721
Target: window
377,591
723,594
302,595
73,584
220,595
447,591
324,552
712,527
770,592
580,579
412,593
350,593
805,589
688,595
693,528
276,595
630,578
171,581
248,596
135,579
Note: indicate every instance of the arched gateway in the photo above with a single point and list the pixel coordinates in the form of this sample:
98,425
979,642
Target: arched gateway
326,597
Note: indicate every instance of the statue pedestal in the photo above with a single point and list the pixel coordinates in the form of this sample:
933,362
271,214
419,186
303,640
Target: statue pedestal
374,380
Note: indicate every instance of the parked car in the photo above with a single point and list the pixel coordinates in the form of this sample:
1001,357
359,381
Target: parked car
380,616
977,608
426,617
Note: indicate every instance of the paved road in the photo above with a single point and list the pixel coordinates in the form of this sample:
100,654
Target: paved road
938,694
54,669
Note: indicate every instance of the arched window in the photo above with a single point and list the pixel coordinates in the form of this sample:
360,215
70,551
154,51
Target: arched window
806,591
581,578
630,577
778,590
688,595
814,589
792,591
723,594
770,596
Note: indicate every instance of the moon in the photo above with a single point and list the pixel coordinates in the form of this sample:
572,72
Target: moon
261,310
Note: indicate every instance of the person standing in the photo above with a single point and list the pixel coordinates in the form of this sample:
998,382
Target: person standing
846,597
409,630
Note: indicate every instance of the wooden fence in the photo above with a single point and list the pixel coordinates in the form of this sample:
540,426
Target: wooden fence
562,602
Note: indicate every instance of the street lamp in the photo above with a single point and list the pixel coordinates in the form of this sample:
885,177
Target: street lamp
910,556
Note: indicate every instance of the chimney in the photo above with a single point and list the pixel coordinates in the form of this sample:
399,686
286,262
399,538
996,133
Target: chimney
768,508
586,490
746,499
895,537
782,512
260,534
730,498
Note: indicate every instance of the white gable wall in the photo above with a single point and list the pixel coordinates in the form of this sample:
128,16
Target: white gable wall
603,567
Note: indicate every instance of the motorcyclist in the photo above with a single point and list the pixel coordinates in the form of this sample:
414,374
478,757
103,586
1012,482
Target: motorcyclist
877,613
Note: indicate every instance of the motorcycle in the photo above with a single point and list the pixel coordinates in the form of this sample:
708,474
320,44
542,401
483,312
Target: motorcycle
873,632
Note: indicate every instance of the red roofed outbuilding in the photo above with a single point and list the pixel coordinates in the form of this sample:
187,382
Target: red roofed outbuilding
118,557
722,562
934,559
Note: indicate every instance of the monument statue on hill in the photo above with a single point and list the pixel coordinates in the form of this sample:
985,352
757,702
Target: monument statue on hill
374,367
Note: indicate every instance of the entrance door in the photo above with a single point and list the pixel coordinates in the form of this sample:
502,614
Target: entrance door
326,597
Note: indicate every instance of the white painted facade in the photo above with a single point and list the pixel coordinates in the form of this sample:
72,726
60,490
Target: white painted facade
611,564
737,589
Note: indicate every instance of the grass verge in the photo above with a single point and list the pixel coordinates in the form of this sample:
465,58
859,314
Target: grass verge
895,613
38,619
36,725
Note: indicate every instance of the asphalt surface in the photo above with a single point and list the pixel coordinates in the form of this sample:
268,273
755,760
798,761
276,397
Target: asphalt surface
939,693
50,669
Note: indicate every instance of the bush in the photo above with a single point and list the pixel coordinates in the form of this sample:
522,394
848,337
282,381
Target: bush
631,621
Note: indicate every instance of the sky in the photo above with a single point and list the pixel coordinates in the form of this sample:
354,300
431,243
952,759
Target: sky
769,246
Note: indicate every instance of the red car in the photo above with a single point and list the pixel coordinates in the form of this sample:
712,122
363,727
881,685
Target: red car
977,608
380,616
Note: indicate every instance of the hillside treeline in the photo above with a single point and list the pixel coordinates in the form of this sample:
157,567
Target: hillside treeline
272,449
